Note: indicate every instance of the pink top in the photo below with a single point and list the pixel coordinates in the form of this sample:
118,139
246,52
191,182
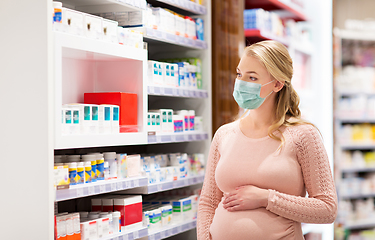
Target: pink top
236,160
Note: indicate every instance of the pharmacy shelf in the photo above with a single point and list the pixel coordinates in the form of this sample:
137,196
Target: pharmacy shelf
367,146
100,140
176,92
189,7
358,196
151,35
292,10
361,224
165,186
79,47
172,230
354,35
99,6
369,93
176,137
260,35
349,119
356,169
100,187
128,235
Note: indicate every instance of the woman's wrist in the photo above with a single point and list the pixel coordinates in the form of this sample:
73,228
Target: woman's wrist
265,195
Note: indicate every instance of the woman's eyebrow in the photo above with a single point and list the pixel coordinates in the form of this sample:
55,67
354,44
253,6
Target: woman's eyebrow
252,72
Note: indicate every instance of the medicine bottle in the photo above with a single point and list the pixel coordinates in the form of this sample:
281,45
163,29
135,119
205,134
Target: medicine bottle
57,12
80,173
100,167
73,173
92,158
88,172
73,158
116,220
106,170
110,157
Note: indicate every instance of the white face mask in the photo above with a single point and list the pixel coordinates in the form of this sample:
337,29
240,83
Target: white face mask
247,94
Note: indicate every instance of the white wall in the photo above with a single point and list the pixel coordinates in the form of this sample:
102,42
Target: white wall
26,150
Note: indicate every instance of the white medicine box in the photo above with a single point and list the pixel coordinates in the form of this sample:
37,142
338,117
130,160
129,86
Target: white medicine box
110,30
73,21
166,119
93,26
153,122
105,123
155,73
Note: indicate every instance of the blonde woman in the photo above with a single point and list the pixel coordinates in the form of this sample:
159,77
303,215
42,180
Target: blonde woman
261,166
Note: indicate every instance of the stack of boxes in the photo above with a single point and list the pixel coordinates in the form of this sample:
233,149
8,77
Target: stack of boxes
167,121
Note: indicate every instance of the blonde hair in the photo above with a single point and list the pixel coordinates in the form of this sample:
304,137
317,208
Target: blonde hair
275,57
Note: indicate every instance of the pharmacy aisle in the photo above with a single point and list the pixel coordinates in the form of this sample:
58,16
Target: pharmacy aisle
125,103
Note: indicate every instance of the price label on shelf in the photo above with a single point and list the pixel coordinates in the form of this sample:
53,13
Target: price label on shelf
186,182
151,237
128,184
160,187
136,234
115,238
179,229
151,89
136,183
174,91
163,234
102,188
113,187
91,190
79,192
169,232
119,185
162,91
173,137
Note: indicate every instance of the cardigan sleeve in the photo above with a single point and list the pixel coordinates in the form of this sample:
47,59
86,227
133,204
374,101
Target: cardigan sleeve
321,204
211,195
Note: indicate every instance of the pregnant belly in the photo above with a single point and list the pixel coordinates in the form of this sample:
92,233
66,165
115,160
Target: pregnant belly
254,224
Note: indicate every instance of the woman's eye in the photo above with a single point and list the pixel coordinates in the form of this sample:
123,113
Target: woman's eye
238,74
253,79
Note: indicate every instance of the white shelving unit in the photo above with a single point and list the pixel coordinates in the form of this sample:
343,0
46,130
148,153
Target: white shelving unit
351,118
54,68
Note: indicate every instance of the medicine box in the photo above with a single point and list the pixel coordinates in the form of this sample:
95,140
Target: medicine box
88,117
155,218
96,205
181,209
133,163
105,121
155,73
127,103
61,177
166,120
200,28
93,26
107,205
122,165
186,119
73,21
130,208
166,215
70,121
110,30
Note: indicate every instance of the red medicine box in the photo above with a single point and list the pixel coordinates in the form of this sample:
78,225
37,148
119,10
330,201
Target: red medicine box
130,208
126,101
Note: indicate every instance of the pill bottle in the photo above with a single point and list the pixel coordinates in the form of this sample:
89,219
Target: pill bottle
83,214
92,158
110,157
57,12
100,167
80,173
88,172
116,221
106,171
93,216
109,216
73,173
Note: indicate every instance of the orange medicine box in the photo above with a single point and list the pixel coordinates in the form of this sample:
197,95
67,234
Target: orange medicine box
127,103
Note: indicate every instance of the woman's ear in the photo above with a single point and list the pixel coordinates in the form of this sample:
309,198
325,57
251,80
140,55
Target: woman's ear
278,86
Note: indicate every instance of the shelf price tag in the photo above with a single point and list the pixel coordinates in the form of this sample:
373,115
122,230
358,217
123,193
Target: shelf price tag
79,192
135,234
173,137
119,185
151,89
91,190
160,187
113,187
136,183
179,229
102,188
152,237
174,91
162,91
163,234
186,182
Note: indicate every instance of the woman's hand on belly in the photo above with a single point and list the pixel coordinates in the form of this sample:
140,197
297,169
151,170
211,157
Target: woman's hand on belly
245,198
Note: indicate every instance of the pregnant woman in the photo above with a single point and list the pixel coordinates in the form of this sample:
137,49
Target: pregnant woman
261,166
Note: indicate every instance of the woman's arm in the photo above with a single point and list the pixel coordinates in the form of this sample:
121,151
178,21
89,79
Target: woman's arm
211,194
321,205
